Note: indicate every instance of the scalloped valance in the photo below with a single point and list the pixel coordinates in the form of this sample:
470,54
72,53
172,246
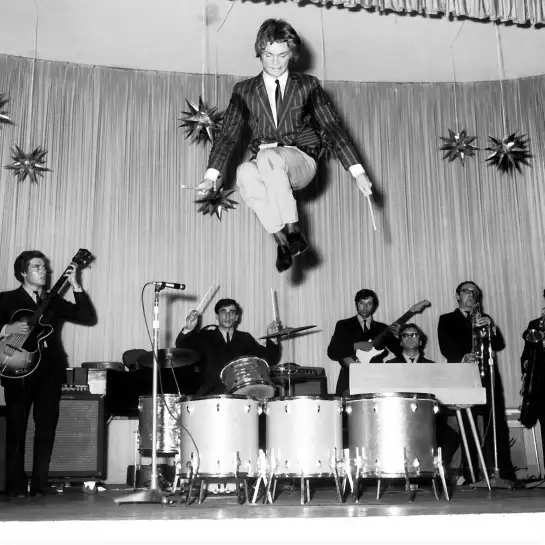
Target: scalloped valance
516,11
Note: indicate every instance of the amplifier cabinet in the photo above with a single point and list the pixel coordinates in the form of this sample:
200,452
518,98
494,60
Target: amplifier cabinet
78,451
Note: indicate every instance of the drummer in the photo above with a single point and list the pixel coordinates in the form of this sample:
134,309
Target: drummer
221,344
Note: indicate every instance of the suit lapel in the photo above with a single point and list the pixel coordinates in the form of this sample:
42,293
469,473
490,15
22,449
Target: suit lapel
263,98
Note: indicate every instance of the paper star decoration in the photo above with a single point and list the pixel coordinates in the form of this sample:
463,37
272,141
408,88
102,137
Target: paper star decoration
215,201
509,153
28,165
458,146
201,123
4,113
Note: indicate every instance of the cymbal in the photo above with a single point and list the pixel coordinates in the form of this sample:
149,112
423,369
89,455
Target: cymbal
169,357
287,332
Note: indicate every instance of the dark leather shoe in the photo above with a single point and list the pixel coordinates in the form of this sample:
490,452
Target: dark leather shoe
283,258
42,491
298,243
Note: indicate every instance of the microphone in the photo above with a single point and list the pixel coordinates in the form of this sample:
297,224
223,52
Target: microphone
173,285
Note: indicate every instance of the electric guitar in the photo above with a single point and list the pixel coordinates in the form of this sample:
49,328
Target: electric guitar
365,356
20,354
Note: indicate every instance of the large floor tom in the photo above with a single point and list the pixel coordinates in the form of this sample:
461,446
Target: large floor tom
248,376
304,435
168,413
392,434
219,435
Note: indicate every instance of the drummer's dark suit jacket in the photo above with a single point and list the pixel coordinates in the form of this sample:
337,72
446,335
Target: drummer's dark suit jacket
216,353
401,359
347,332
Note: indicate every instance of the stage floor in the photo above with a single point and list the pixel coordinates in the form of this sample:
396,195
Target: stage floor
472,516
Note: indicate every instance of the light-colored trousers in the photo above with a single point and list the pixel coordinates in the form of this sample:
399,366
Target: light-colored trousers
266,184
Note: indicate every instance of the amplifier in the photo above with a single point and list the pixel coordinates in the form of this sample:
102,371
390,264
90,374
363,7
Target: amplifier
78,452
295,380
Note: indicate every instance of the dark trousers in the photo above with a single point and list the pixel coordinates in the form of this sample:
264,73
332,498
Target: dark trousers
40,392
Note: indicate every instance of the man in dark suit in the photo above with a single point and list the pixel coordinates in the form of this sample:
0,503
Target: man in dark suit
220,345
532,363
285,111
357,334
466,335
42,388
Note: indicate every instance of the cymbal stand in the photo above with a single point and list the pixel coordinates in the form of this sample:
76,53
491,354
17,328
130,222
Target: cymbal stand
152,494
495,480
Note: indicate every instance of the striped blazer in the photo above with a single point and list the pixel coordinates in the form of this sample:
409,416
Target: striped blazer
305,110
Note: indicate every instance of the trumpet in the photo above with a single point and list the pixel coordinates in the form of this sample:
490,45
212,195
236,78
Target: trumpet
536,335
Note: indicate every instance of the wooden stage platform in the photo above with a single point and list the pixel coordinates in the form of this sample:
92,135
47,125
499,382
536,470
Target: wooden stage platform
472,516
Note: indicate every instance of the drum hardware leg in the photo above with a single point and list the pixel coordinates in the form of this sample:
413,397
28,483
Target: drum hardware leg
464,442
269,483
246,494
302,489
378,488
201,490
191,483
441,469
337,483
274,489
256,488
240,500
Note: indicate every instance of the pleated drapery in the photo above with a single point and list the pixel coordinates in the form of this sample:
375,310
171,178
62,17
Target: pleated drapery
515,11
119,161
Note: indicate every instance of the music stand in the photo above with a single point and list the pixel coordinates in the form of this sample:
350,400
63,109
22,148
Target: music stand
152,494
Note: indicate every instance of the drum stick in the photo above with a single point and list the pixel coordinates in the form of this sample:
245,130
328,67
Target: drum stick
274,309
371,212
204,298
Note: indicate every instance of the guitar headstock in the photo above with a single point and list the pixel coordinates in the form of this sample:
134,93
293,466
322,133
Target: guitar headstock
419,307
83,258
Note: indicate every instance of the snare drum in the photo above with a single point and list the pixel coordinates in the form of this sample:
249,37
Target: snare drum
168,413
304,435
219,435
392,434
248,376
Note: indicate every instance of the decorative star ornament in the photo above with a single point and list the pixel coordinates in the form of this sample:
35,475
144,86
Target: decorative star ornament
29,165
215,201
201,122
3,112
457,145
509,153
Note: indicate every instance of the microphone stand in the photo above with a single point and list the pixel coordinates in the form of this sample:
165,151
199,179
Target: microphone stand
152,494
495,480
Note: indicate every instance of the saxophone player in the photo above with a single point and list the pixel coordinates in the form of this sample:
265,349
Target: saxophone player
468,335
533,376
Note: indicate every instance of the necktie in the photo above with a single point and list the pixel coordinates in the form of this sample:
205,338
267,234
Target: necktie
38,298
278,100
228,338
365,326
412,360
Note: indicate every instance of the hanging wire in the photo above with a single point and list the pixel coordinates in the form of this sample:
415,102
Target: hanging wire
502,75
217,51
31,101
204,35
454,75
322,39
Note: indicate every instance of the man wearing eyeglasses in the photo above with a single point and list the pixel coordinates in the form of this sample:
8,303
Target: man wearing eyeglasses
221,344
456,340
412,341
41,389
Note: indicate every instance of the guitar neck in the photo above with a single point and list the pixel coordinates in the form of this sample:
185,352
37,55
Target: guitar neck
47,298
401,320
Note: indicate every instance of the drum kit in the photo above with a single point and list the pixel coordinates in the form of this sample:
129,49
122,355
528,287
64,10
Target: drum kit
217,437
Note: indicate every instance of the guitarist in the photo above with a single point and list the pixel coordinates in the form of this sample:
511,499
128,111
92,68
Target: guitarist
357,333
42,388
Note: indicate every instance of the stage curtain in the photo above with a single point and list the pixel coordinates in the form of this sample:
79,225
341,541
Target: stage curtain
515,11
119,163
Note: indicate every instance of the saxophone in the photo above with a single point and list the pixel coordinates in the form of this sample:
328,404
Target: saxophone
478,334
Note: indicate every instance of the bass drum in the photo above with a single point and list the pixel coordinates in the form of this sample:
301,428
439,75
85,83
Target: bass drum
219,435
168,429
304,435
392,435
